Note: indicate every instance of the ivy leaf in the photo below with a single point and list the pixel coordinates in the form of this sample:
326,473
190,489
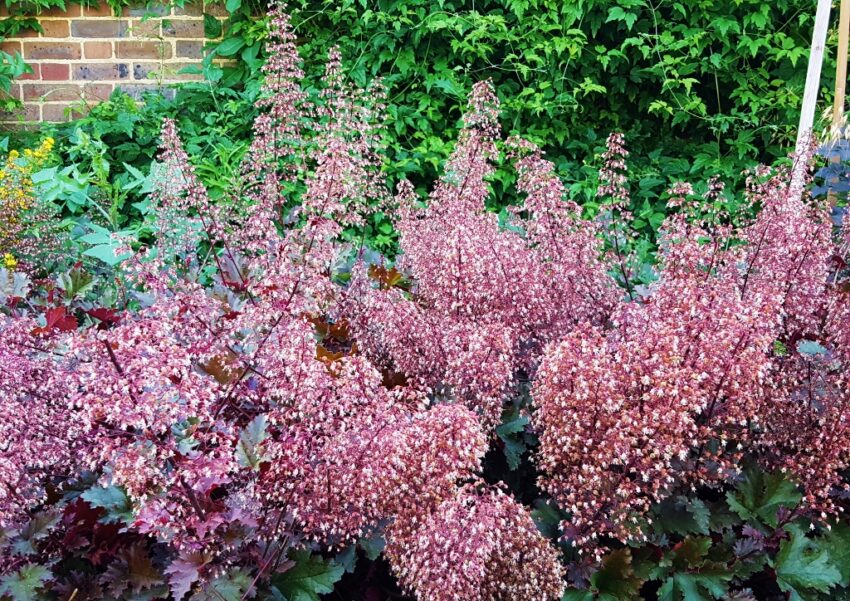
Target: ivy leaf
760,495
249,450
512,425
803,567
616,578
23,584
308,578
114,500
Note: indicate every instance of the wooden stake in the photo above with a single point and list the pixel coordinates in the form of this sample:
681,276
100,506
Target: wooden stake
810,95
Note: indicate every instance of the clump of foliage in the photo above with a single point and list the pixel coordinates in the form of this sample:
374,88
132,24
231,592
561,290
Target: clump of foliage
20,212
241,401
699,90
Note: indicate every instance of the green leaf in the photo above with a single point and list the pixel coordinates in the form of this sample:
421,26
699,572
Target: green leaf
803,567
212,27
37,528
760,495
106,253
616,579
233,5
513,423
572,594
690,576
249,451
230,586
230,46
24,584
372,545
308,578
681,515
837,543
695,586
114,500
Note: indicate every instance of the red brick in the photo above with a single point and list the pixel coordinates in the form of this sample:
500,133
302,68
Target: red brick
40,91
184,28
101,71
55,112
66,92
169,72
154,50
145,11
10,47
15,91
85,28
191,9
145,29
97,50
36,73
54,29
27,33
55,72
52,50
101,10
27,113
215,9
190,49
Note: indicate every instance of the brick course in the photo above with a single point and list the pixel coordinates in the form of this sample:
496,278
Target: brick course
83,54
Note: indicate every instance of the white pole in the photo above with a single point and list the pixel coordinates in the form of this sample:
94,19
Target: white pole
810,96
841,63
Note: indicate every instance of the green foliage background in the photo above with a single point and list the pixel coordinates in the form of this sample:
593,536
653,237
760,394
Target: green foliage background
699,87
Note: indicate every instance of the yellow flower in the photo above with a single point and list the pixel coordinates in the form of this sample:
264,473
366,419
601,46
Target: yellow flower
10,261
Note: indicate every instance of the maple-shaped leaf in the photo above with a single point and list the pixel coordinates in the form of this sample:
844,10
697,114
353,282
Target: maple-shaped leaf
760,496
24,584
230,586
616,578
681,515
13,284
803,568
510,433
75,282
224,367
688,575
837,543
706,584
308,578
183,572
113,500
249,449
57,318
38,527
106,317
133,569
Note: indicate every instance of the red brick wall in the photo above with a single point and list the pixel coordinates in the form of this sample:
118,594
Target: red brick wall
83,54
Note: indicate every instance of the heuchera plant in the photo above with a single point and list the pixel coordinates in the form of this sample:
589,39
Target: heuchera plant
294,405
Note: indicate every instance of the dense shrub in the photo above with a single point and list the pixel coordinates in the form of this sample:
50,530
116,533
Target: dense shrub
244,400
